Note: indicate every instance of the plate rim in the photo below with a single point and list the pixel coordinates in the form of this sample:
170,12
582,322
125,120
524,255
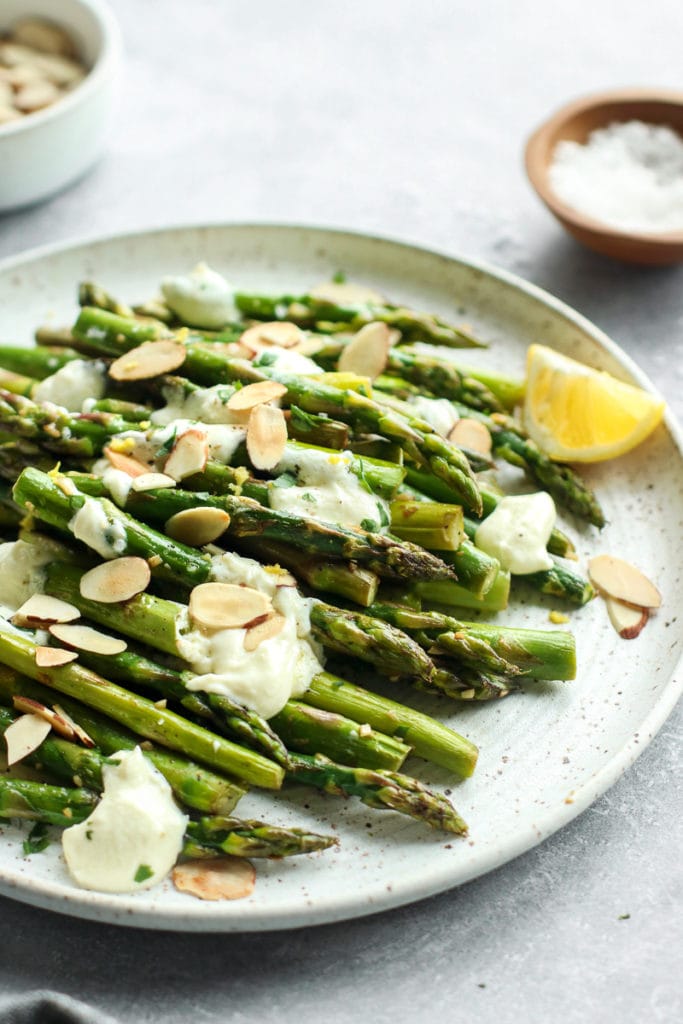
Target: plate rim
329,909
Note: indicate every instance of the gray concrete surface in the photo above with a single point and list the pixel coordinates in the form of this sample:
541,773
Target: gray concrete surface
405,119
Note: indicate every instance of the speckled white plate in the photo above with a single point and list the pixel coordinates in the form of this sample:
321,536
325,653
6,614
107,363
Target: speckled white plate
546,755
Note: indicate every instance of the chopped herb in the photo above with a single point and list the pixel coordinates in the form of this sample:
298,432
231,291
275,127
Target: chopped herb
284,480
37,839
88,834
266,359
339,277
167,445
369,524
310,498
143,873
623,917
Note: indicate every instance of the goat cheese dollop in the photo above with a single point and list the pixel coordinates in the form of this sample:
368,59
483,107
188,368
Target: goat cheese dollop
77,382
22,572
92,526
327,489
439,413
517,531
279,668
134,835
202,298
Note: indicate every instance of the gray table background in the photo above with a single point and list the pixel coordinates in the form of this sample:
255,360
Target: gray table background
405,119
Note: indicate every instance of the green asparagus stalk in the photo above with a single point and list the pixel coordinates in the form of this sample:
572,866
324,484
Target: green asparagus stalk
37,363
305,310
428,737
383,555
141,715
193,785
212,837
449,594
92,294
538,654
38,801
379,789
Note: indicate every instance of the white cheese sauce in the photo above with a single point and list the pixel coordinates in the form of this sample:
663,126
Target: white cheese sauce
92,526
207,405
327,489
76,384
223,438
22,572
517,531
133,837
439,413
202,298
279,668
288,361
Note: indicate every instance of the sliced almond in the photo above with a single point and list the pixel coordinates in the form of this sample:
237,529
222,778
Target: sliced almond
620,579
152,482
198,526
189,455
150,359
266,436
42,610
469,433
627,621
35,96
8,114
221,878
265,630
116,581
24,736
78,732
285,579
42,35
368,352
346,293
85,638
227,606
52,657
126,463
281,333
34,707
255,394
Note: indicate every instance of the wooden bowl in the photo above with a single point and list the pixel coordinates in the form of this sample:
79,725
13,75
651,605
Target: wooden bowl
576,121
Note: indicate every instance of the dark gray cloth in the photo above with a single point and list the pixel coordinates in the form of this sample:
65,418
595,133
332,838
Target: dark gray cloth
46,1007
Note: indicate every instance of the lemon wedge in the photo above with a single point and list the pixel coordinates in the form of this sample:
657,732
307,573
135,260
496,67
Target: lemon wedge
578,414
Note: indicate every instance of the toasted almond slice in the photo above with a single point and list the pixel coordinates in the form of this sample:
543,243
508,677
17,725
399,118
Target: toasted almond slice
266,436
227,606
34,707
346,293
270,627
198,526
44,36
627,621
85,638
51,657
367,353
41,610
189,455
152,482
620,579
281,333
469,433
78,732
125,463
285,579
116,581
150,359
25,735
35,96
255,394
221,878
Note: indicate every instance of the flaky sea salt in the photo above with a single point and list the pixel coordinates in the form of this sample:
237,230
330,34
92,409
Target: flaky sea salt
628,175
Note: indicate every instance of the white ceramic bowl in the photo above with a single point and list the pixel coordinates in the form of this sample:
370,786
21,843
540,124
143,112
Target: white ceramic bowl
45,151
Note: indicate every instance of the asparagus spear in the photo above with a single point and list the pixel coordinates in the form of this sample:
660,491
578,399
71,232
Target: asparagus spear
539,654
37,363
381,554
194,785
378,789
146,618
38,801
140,714
305,310
212,837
